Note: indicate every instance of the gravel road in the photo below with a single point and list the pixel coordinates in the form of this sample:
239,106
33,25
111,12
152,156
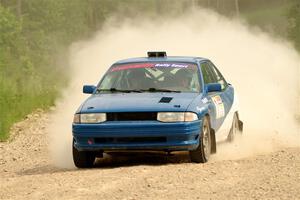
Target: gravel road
26,172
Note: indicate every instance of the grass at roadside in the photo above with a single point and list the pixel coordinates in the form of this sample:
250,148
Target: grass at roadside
17,102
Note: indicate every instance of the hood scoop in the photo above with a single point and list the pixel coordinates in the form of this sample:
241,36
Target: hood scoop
165,100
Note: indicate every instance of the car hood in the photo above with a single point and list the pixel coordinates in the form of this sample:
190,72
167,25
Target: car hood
138,102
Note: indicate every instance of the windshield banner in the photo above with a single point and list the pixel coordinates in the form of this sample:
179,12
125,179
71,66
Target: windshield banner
150,65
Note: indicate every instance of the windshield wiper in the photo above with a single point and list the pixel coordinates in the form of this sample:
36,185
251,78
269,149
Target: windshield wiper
160,90
116,90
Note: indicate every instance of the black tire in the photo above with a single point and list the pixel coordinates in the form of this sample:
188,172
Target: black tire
203,151
235,128
83,159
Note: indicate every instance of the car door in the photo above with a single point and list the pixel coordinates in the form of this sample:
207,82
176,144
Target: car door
220,102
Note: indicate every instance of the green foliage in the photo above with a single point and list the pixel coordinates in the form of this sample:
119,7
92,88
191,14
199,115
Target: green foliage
271,18
9,28
24,84
35,35
10,39
33,48
294,25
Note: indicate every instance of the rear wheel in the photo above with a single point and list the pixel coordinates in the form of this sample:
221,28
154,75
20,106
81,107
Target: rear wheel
83,159
235,128
203,151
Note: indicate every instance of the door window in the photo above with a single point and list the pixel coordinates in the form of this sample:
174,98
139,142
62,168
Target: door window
219,77
208,73
212,75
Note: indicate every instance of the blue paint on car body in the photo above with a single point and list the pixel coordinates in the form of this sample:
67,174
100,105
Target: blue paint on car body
151,134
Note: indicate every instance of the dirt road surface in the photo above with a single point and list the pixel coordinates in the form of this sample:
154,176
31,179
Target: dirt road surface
26,172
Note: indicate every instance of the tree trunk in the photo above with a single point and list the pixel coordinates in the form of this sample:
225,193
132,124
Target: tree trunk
3,3
194,3
237,8
19,8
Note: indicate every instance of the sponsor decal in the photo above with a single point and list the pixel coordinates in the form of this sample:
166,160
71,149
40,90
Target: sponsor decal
174,65
204,100
219,105
149,65
132,66
200,109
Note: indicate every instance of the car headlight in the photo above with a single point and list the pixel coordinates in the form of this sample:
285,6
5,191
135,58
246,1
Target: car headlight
89,118
176,116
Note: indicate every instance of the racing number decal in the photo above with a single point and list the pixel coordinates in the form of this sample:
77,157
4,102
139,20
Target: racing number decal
220,111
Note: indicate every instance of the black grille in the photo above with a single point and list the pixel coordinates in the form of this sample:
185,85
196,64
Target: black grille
126,140
131,116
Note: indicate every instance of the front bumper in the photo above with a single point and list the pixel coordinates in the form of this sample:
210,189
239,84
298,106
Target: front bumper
137,135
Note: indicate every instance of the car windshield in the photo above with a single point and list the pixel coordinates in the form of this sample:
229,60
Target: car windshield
151,77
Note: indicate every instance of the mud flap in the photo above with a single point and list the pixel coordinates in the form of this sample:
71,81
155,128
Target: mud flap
241,126
213,141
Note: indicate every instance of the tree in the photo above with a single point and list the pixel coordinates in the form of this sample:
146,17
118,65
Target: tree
237,8
19,8
294,23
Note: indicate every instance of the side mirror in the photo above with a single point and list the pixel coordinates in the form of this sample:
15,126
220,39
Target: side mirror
88,89
213,87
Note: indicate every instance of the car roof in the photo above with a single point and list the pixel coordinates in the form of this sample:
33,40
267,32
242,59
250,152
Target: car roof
162,59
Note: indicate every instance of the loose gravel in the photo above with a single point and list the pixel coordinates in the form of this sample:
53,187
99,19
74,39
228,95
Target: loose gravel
27,172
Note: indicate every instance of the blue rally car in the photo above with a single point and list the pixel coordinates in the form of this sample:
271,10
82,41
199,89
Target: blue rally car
156,103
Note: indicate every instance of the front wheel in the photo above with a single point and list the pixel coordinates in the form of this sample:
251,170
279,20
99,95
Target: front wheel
83,159
203,151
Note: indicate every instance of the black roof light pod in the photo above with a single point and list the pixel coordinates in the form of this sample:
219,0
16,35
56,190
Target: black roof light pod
156,54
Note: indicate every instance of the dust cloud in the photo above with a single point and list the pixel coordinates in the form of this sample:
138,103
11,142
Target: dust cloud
264,71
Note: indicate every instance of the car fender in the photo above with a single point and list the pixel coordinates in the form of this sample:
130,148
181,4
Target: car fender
201,106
